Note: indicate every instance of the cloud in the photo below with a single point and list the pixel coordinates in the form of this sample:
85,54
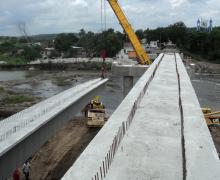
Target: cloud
55,16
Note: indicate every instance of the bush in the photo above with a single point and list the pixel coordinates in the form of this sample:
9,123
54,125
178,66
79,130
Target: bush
31,53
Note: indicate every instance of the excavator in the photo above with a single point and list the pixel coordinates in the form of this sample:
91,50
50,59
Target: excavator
143,57
95,113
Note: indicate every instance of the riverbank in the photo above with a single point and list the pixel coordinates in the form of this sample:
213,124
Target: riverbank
201,65
57,66
21,89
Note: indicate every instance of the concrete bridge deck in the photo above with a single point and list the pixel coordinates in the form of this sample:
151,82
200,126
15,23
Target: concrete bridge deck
23,133
157,132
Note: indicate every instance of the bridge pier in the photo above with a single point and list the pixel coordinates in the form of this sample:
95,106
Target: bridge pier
128,72
128,82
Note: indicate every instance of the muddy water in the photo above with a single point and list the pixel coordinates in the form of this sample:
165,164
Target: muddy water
12,75
45,84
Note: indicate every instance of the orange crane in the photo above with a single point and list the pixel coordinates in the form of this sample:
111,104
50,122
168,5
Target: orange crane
143,57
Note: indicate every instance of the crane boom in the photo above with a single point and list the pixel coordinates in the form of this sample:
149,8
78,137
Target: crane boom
141,54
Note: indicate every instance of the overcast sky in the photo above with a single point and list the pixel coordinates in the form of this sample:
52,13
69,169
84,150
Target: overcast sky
55,16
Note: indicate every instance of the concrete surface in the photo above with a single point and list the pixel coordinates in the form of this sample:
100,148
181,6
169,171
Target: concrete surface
128,82
128,72
202,160
151,148
96,155
23,133
158,132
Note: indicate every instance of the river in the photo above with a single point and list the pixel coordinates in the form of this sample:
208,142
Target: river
44,84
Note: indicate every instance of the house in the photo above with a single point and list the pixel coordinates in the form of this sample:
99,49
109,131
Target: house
47,52
153,44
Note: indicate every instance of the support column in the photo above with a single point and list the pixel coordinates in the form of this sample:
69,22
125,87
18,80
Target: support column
127,84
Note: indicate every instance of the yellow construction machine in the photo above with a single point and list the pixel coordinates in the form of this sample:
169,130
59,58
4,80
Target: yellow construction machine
212,118
95,113
143,57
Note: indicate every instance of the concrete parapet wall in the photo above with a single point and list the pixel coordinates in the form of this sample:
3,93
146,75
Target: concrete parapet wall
96,159
201,158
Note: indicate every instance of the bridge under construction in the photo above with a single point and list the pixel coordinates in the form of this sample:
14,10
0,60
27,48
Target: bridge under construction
157,132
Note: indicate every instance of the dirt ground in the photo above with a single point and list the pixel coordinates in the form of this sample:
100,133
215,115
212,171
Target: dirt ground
204,66
215,132
58,154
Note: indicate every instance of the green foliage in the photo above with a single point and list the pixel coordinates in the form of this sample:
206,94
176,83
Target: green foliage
87,41
31,53
2,89
6,46
16,99
13,51
12,60
207,45
140,34
63,42
203,44
109,41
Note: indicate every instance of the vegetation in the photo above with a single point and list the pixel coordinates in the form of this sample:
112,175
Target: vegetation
92,43
2,89
16,50
63,42
16,99
202,44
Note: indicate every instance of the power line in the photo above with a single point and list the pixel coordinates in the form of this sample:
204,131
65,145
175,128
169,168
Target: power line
105,14
102,15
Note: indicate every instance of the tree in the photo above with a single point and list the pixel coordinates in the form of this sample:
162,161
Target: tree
63,42
87,41
31,53
6,47
140,34
177,33
109,41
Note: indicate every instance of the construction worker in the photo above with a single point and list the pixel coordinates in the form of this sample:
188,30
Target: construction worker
16,174
26,170
103,68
